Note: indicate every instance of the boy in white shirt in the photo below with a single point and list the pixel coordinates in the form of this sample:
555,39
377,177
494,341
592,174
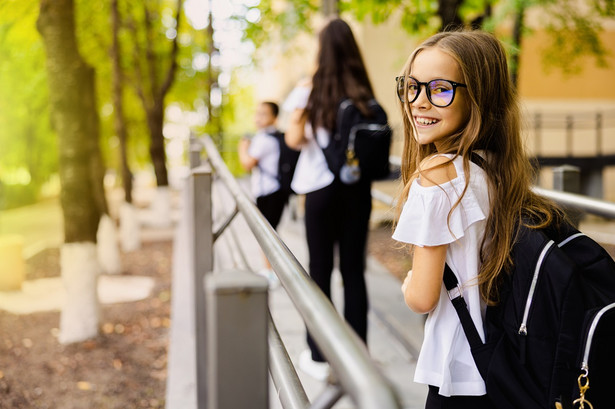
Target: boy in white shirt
261,155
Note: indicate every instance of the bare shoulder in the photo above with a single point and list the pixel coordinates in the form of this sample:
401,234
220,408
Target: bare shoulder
436,170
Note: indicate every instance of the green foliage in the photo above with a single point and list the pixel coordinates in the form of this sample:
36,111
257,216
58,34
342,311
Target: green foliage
237,113
574,34
94,35
417,16
574,27
28,157
27,140
286,19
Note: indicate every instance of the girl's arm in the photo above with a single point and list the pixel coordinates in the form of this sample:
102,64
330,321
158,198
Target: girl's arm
295,132
247,161
423,284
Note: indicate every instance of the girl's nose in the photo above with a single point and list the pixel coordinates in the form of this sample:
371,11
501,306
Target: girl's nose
421,100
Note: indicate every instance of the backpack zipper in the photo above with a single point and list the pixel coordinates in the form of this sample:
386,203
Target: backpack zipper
530,296
590,335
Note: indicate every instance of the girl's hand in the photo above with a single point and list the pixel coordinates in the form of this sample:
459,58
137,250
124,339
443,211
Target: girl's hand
404,285
244,144
247,162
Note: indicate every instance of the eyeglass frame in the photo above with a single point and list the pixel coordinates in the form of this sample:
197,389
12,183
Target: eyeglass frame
427,89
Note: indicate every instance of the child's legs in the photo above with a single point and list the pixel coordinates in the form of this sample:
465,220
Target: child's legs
271,206
355,212
320,239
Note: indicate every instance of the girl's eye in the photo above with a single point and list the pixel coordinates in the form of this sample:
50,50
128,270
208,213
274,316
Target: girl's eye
440,87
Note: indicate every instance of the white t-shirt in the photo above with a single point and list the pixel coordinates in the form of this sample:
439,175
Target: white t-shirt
445,359
312,172
265,148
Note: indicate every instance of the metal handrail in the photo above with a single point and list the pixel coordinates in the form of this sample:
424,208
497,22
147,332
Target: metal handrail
344,351
584,203
571,200
580,202
291,392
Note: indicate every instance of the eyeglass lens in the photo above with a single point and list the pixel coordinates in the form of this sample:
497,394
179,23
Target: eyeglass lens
439,92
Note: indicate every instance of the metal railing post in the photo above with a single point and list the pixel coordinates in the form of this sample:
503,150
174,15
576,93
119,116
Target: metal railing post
569,134
202,242
237,348
599,133
537,133
568,179
195,152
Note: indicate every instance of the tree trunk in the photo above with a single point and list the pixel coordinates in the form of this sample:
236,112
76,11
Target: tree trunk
214,127
155,119
75,119
330,8
119,119
516,42
448,12
159,84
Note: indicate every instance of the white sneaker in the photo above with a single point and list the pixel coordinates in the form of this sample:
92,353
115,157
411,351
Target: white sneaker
317,370
269,274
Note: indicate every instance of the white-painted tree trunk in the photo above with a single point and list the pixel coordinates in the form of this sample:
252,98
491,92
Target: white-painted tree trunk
79,318
108,247
160,208
130,232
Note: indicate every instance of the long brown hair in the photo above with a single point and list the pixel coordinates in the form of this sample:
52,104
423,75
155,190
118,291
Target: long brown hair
494,127
340,74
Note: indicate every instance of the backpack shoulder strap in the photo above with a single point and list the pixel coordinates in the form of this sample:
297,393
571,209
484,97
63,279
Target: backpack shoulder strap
341,111
279,136
454,290
455,294
477,159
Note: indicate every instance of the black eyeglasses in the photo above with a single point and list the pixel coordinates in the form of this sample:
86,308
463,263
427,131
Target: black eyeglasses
439,92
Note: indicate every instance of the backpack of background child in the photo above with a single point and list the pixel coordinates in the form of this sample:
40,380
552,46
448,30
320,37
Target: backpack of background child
359,147
286,164
554,328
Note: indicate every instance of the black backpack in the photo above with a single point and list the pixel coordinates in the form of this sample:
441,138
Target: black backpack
360,145
554,328
286,164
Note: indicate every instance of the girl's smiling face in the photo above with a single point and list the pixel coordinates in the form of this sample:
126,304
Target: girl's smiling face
433,124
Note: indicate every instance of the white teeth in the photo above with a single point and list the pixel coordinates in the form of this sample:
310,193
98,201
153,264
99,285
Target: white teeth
426,121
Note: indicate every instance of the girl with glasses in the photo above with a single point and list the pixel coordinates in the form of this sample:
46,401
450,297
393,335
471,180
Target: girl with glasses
466,183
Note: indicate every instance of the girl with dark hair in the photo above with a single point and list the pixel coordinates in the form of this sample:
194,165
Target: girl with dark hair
335,213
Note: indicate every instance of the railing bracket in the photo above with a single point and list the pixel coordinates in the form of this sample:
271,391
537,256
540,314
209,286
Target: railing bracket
226,223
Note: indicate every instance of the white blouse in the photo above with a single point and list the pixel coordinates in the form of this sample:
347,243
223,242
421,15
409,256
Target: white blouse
312,172
445,359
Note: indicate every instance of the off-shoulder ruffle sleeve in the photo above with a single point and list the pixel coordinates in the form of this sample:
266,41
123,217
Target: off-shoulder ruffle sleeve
424,218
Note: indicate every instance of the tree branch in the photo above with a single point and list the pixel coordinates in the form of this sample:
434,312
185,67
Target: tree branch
150,56
138,83
175,47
